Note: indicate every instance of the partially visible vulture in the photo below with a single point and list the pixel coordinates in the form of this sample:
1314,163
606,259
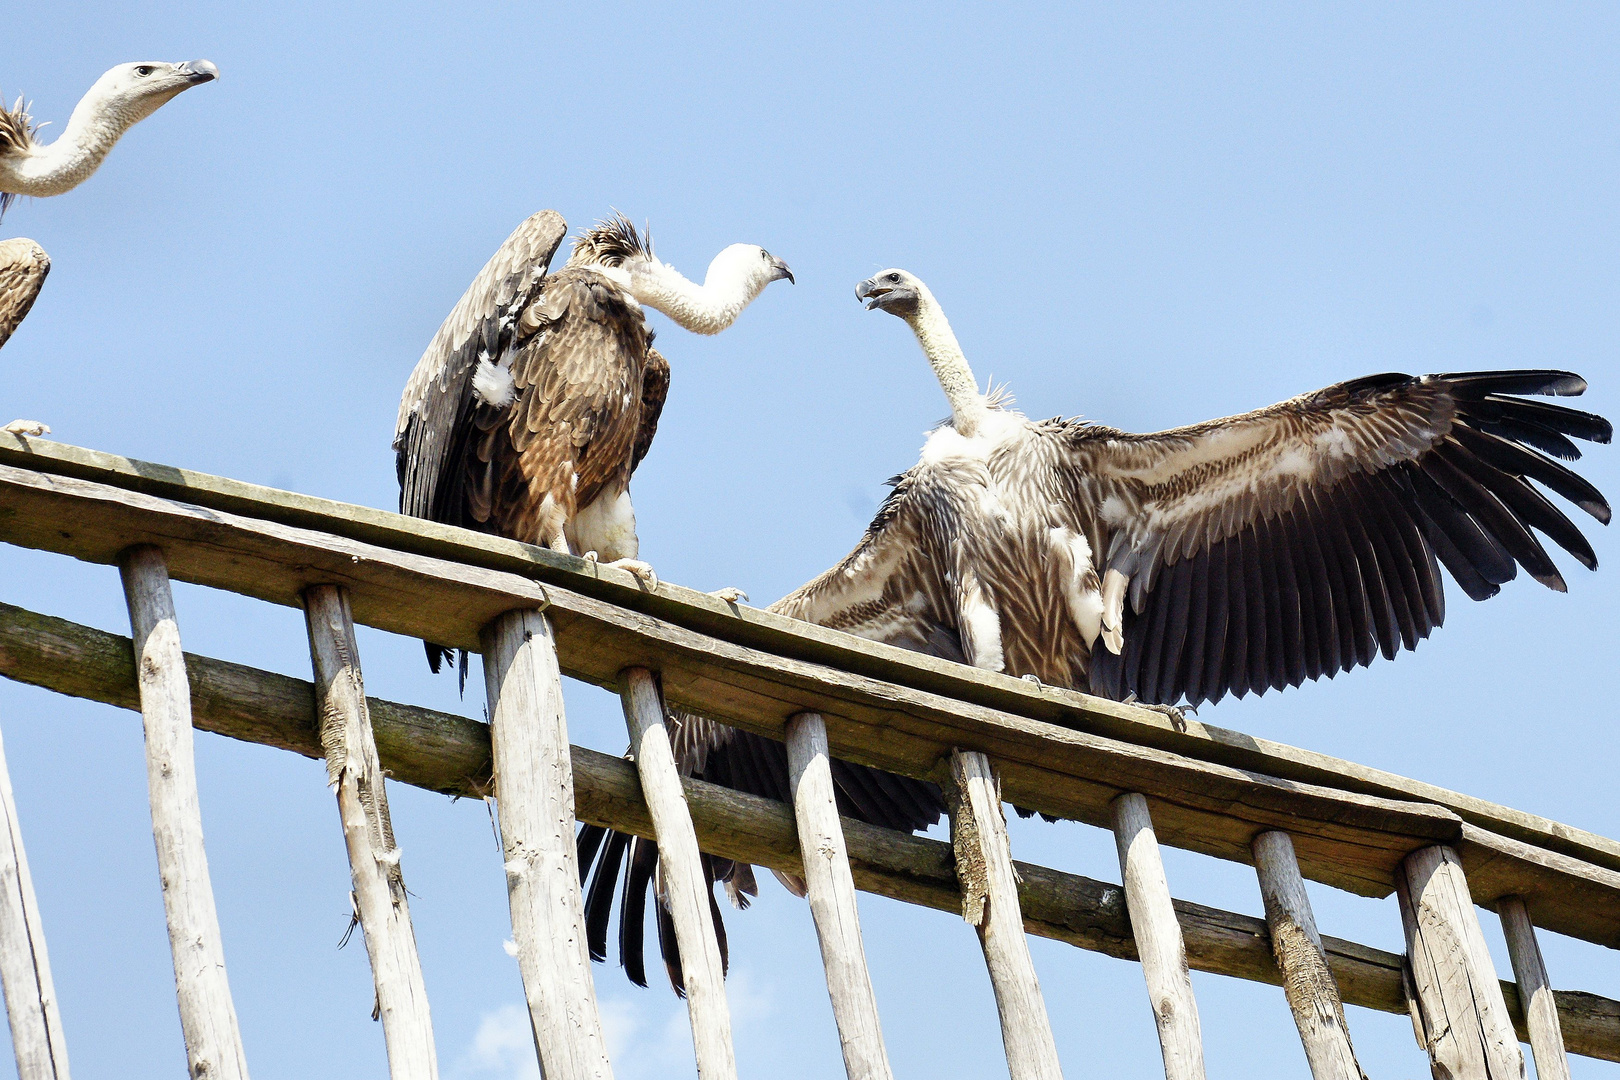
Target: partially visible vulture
540,394
23,266
1230,557
119,100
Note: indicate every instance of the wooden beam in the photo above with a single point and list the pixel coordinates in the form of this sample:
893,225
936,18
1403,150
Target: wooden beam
831,891
534,796
773,633
1535,990
1461,1011
1159,943
984,869
1313,996
354,772
25,968
680,867
450,754
207,1014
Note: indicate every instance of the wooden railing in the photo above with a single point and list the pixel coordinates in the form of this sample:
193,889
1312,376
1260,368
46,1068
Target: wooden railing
984,737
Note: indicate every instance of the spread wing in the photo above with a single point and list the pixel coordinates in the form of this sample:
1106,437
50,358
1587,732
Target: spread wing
438,397
23,266
1300,540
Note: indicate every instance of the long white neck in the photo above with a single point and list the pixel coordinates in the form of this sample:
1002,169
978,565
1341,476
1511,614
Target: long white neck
97,123
938,341
703,309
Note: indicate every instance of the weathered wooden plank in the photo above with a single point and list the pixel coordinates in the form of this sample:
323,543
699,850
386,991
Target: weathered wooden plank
207,1013
1353,841
1159,943
772,633
451,754
534,796
356,775
1535,990
830,889
1461,1011
989,886
680,866
1313,997
25,967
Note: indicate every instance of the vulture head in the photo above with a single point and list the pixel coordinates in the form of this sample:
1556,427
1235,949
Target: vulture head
132,92
750,265
894,291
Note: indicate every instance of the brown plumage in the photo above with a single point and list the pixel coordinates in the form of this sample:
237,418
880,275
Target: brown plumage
23,266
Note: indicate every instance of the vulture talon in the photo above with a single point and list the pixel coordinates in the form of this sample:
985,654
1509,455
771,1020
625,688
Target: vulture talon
643,572
730,594
28,428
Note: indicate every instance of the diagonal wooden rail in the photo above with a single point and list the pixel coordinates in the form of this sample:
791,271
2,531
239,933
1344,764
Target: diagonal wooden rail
450,754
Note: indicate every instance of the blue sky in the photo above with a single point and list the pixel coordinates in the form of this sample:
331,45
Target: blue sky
1146,214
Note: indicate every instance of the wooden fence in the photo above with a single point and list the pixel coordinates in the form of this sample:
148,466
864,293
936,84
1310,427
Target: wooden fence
985,738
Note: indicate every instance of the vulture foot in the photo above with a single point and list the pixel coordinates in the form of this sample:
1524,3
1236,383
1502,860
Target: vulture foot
730,594
1178,716
28,427
643,572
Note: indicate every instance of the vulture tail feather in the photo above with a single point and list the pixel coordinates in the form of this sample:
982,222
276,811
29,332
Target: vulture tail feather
599,899
638,876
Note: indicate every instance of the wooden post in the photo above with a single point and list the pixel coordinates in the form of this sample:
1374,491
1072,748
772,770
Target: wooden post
353,771
25,970
534,793
1312,994
1535,992
1466,1027
990,903
1159,944
680,866
831,890
207,1014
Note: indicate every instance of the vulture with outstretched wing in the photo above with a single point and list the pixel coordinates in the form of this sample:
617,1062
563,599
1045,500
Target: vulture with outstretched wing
541,392
1230,557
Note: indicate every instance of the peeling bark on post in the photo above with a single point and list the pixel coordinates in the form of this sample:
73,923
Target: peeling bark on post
1535,991
207,1014
680,865
1464,1018
352,769
1158,939
534,797
25,969
1313,995
831,889
990,905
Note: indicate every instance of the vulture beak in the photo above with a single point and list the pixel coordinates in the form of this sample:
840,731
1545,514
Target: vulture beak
869,290
899,300
197,71
782,271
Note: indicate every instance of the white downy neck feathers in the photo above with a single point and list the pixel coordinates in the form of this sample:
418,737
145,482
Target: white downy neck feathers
735,277
969,410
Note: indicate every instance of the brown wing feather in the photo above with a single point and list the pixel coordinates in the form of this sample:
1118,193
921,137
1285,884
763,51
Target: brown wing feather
654,389
23,266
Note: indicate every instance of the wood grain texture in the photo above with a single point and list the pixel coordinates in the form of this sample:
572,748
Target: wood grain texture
1461,1010
989,885
680,868
830,888
25,967
1535,990
1313,996
207,1013
534,797
1159,944
355,773
450,754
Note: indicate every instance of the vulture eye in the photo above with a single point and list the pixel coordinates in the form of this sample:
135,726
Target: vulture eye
895,278
764,254
144,70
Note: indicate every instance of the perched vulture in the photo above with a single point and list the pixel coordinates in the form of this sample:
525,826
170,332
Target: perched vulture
540,394
119,100
1230,557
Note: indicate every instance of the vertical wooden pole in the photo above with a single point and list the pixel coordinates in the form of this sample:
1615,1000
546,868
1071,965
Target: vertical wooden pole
990,903
832,899
534,797
1465,1021
1159,944
355,773
680,866
25,970
1535,992
1313,995
207,1014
